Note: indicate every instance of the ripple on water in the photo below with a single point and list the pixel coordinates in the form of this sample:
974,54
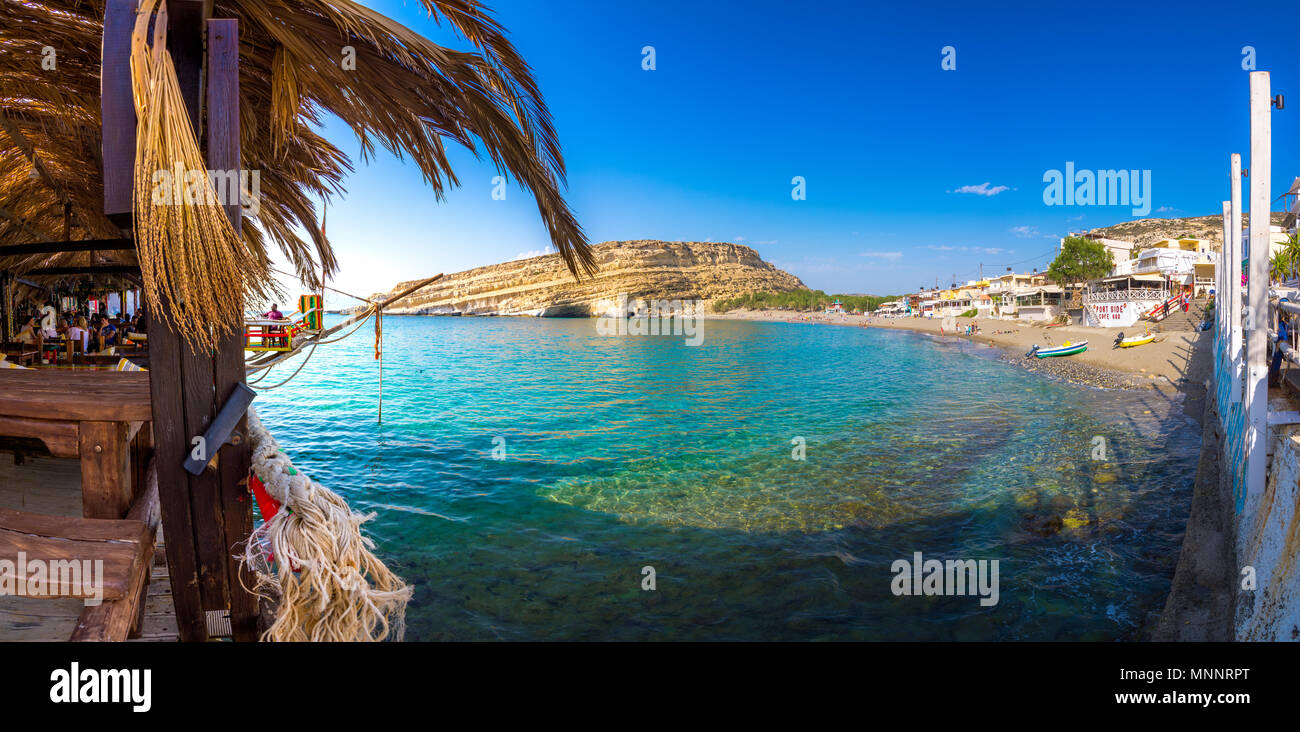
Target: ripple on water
627,452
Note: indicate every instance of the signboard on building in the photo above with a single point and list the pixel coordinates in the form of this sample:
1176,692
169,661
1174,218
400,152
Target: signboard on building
1119,314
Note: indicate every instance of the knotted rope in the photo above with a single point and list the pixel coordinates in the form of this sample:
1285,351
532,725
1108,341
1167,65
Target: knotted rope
330,586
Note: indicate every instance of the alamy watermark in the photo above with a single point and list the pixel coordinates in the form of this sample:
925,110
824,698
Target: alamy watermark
77,685
1098,188
976,577
180,186
654,318
52,578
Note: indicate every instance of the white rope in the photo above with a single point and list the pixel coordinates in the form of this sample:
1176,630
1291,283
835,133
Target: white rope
330,586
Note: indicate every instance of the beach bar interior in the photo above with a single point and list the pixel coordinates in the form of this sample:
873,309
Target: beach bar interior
127,430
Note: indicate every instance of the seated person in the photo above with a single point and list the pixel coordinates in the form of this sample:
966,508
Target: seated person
30,333
107,334
79,333
275,314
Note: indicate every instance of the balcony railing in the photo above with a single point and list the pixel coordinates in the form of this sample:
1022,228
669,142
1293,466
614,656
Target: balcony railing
1138,293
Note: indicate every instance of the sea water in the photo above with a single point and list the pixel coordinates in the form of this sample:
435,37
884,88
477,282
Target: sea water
536,480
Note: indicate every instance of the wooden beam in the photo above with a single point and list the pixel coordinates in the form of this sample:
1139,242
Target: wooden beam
21,223
117,108
29,151
187,21
62,247
6,309
121,269
183,399
186,25
171,446
169,355
228,363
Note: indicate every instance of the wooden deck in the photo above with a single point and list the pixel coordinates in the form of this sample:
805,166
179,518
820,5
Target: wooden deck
53,486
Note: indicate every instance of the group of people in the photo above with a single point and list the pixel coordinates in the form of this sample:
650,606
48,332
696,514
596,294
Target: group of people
93,331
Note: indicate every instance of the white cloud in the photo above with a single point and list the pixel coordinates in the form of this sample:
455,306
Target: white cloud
1167,209
891,256
1025,232
532,253
983,189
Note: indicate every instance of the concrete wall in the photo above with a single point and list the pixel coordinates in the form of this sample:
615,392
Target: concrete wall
1268,540
1038,312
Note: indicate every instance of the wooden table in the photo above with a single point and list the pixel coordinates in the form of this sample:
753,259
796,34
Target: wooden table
16,354
91,415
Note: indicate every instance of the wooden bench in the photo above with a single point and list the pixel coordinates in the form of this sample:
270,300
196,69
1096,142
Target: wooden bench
126,548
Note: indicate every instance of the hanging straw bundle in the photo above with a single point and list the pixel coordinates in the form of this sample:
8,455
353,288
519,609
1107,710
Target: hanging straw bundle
190,255
330,586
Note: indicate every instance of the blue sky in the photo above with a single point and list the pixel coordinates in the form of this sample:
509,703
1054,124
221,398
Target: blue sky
852,97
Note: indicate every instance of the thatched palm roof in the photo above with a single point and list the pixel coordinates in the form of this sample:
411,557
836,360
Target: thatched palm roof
406,94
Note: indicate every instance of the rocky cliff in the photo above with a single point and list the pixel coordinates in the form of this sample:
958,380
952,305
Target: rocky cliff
1150,231
639,270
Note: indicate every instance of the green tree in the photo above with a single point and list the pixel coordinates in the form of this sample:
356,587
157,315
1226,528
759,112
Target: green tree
1279,266
1291,254
1080,260
800,300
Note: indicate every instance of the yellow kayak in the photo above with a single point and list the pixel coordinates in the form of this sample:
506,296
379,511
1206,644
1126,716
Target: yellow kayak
1136,341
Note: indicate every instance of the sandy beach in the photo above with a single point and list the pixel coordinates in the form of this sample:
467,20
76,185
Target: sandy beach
1168,364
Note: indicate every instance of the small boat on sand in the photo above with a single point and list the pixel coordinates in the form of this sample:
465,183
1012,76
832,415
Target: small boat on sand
1122,342
1067,349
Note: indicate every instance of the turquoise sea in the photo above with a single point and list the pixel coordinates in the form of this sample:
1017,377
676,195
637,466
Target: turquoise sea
616,453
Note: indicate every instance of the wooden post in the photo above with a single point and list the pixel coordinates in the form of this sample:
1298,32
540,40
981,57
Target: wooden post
228,364
181,388
1261,169
117,109
6,308
171,440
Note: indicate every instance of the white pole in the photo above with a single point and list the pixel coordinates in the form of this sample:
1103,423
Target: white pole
1234,282
1221,279
1261,169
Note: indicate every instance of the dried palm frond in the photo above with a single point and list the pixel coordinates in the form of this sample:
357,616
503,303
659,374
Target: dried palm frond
406,94
190,255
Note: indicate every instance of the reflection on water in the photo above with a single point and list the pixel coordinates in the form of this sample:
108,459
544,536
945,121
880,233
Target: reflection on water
627,452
